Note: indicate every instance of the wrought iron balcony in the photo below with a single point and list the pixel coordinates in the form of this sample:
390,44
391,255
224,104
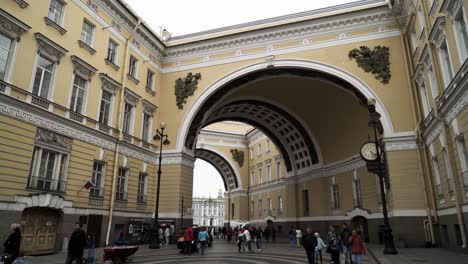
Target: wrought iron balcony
96,192
39,101
121,196
141,198
44,184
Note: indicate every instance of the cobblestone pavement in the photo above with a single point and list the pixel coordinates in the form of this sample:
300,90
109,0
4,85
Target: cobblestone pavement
221,252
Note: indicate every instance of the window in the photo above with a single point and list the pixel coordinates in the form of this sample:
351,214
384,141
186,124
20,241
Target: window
149,80
461,149
259,149
251,153
280,205
270,206
87,33
432,81
461,34
48,170
421,20
121,191
335,194
260,176
104,111
357,190
252,208
305,202
146,127
97,178
56,11
424,98
446,63
260,209
414,40
132,69
252,177
268,167
436,168
78,94
112,51
448,168
267,145
278,169
43,77
6,51
232,210
141,198
127,118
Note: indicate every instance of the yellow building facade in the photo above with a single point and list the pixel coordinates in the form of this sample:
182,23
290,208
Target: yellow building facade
84,85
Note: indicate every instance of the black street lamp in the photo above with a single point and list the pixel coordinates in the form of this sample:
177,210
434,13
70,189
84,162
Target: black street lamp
163,138
374,122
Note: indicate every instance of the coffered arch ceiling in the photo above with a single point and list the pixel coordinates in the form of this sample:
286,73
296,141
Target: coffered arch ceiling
230,179
291,105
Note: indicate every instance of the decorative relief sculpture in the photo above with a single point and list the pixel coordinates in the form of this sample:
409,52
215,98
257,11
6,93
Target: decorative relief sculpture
238,156
53,139
376,61
185,87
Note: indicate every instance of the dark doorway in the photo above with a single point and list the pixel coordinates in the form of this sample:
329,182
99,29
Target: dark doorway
94,228
360,224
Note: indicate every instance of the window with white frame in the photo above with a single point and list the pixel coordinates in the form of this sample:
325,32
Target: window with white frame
436,168
252,208
305,202
251,153
357,190
424,98
105,107
335,195
6,54
445,63
252,177
461,34
112,51
448,168
78,94
462,151
270,206
278,169
142,178
259,149
87,33
268,168
280,205
48,170
145,134
414,40
267,145
44,77
421,20
260,208
127,118
97,178
260,176
432,81
121,190
56,11
150,80
132,68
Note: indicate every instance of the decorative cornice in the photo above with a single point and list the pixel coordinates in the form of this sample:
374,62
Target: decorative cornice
438,32
145,155
399,143
148,107
82,68
22,3
178,158
131,97
108,83
12,26
54,25
49,48
451,7
455,96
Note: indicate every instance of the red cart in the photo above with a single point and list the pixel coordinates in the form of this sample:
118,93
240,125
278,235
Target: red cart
119,254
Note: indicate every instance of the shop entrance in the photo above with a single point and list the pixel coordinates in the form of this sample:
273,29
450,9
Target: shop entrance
40,231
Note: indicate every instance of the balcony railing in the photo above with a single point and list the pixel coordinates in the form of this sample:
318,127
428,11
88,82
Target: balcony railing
44,184
127,137
96,192
121,196
141,198
39,101
76,116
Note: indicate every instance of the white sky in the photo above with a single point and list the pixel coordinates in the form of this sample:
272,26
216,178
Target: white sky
206,179
183,17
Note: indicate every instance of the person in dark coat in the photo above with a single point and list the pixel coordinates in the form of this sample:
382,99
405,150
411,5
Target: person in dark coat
12,244
309,241
76,245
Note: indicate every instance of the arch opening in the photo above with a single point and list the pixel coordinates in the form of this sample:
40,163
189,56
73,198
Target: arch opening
221,164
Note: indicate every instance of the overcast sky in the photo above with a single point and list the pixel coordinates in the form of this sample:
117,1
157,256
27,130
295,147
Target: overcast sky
183,17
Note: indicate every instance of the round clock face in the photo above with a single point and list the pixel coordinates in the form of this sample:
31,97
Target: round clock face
369,151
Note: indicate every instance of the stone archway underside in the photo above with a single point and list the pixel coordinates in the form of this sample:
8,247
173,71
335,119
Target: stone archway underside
288,134
221,165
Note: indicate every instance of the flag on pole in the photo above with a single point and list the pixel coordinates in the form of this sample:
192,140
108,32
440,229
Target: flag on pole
88,185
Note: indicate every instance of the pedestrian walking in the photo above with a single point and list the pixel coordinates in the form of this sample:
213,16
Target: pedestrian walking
224,232
239,241
258,238
333,245
76,245
188,238
318,249
12,244
292,236
357,247
229,234
248,239
167,234
203,238
309,242
161,236
298,237
266,233
345,256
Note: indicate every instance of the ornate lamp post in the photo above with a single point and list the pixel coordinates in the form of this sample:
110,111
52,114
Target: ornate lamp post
163,138
372,154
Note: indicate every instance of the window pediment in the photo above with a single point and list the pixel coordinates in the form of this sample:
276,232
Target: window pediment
82,68
108,83
419,74
131,97
49,48
53,140
438,32
148,107
425,58
11,25
451,7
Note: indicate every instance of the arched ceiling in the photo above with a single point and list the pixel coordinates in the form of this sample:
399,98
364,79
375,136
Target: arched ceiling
222,166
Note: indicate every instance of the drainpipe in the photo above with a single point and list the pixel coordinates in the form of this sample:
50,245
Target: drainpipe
119,127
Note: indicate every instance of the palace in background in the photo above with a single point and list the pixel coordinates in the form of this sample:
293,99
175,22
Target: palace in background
277,106
208,211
